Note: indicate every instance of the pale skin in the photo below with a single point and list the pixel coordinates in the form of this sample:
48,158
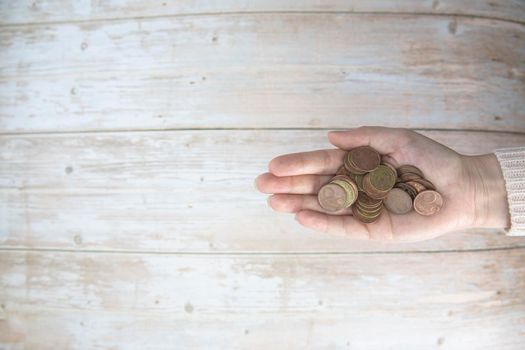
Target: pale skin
472,187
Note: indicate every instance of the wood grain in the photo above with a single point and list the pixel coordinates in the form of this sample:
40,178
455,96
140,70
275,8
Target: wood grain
29,11
62,300
263,71
185,191
118,231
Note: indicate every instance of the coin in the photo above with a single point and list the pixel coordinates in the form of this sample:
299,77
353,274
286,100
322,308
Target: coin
409,169
408,189
368,181
364,159
390,165
398,201
347,178
370,190
350,167
418,187
350,175
409,177
383,178
332,197
359,182
367,209
370,212
349,187
350,190
363,217
367,201
428,202
428,185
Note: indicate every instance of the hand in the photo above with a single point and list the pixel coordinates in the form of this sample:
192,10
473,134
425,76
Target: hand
472,187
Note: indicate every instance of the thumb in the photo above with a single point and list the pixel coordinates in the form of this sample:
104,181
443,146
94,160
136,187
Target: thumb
384,140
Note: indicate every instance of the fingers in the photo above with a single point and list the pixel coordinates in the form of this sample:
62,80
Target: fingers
292,203
301,184
384,140
336,224
315,162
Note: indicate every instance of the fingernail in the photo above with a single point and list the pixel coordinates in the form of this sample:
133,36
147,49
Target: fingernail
268,201
255,183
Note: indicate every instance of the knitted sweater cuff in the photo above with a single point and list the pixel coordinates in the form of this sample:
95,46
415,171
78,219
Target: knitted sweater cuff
512,162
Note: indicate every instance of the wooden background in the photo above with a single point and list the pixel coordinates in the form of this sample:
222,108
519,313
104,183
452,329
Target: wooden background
130,136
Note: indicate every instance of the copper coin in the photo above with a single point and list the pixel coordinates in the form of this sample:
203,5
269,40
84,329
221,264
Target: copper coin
350,189
367,207
429,185
398,201
352,169
350,175
391,166
419,187
408,189
348,179
359,182
368,201
369,212
409,169
370,190
364,158
382,178
364,218
409,177
348,185
428,202
340,177
332,197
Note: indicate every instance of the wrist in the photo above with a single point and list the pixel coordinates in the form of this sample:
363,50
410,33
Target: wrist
490,205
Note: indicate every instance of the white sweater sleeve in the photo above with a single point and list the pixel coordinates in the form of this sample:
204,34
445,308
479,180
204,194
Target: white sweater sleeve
512,162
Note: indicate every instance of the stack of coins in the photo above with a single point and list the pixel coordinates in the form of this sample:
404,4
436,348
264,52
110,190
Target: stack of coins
361,160
412,190
371,180
339,193
366,208
367,184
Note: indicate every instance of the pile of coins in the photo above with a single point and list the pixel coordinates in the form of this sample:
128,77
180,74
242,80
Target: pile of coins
412,190
366,183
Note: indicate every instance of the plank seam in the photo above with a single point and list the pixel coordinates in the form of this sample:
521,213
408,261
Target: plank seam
116,131
232,13
246,253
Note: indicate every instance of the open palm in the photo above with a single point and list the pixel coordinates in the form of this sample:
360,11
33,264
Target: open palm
294,180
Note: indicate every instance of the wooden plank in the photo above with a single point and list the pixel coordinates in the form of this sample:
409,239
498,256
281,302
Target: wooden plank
264,70
28,11
377,301
178,191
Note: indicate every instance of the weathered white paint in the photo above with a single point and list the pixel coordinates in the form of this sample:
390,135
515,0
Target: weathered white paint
178,191
263,70
30,11
379,301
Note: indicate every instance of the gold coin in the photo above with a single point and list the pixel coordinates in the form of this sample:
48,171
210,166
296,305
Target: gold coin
332,197
351,194
382,179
